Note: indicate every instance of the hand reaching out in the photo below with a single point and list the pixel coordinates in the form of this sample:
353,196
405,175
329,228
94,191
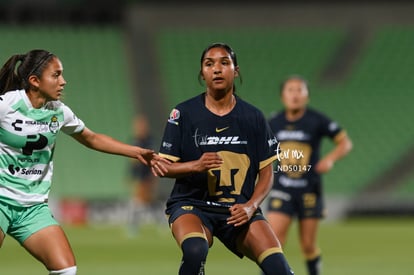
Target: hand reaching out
150,158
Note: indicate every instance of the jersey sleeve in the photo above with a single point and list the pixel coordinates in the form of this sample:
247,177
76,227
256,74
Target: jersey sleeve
171,141
331,128
71,123
267,142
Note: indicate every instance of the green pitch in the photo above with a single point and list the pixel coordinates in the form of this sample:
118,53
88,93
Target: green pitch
357,247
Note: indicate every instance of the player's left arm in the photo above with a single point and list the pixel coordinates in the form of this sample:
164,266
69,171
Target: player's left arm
242,213
266,148
107,144
343,145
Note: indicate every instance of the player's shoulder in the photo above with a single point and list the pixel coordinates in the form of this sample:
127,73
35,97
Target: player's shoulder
192,100
247,107
11,96
190,104
185,109
276,116
315,114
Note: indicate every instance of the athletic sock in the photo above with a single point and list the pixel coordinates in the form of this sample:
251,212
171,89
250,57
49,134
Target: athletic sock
275,264
195,250
66,271
314,265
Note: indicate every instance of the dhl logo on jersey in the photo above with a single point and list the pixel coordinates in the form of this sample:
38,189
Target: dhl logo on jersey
212,140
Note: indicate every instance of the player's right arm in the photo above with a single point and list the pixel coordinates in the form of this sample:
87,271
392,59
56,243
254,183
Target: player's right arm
209,160
343,145
106,144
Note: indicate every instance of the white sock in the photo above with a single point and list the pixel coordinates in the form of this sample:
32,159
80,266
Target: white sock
66,271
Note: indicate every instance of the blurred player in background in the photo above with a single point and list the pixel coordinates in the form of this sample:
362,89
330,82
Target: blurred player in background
142,206
31,116
297,189
219,145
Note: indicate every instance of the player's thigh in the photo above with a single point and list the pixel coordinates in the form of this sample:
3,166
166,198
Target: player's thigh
4,224
280,223
258,238
187,225
51,247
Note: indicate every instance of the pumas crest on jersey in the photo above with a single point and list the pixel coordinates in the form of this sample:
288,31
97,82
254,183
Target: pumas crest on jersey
54,124
174,116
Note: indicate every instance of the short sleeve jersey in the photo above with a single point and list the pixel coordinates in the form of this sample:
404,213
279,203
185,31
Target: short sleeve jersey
27,142
242,138
299,144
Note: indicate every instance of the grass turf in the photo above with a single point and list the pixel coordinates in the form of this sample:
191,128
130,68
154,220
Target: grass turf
363,246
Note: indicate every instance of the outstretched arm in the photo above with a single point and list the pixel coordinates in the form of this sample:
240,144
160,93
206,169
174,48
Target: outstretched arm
109,145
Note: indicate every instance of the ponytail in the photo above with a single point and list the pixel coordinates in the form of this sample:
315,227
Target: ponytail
16,71
9,76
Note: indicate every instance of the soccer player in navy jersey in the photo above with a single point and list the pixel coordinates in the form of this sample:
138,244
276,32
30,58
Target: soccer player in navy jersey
297,189
221,151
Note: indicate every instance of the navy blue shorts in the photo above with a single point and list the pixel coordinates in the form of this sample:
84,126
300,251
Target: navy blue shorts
216,222
299,202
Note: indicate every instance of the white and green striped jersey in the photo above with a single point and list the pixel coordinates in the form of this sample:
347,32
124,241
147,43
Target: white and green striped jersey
27,142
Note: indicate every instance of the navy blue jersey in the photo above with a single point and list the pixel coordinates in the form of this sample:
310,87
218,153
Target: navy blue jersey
242,138
299,146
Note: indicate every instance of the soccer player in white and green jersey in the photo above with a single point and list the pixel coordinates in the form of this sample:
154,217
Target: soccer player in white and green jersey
31,116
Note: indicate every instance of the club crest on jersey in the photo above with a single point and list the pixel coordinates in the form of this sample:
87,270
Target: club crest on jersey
54,124
174,116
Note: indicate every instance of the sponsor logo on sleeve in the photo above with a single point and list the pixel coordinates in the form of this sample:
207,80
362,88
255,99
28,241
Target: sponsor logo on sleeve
174,116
